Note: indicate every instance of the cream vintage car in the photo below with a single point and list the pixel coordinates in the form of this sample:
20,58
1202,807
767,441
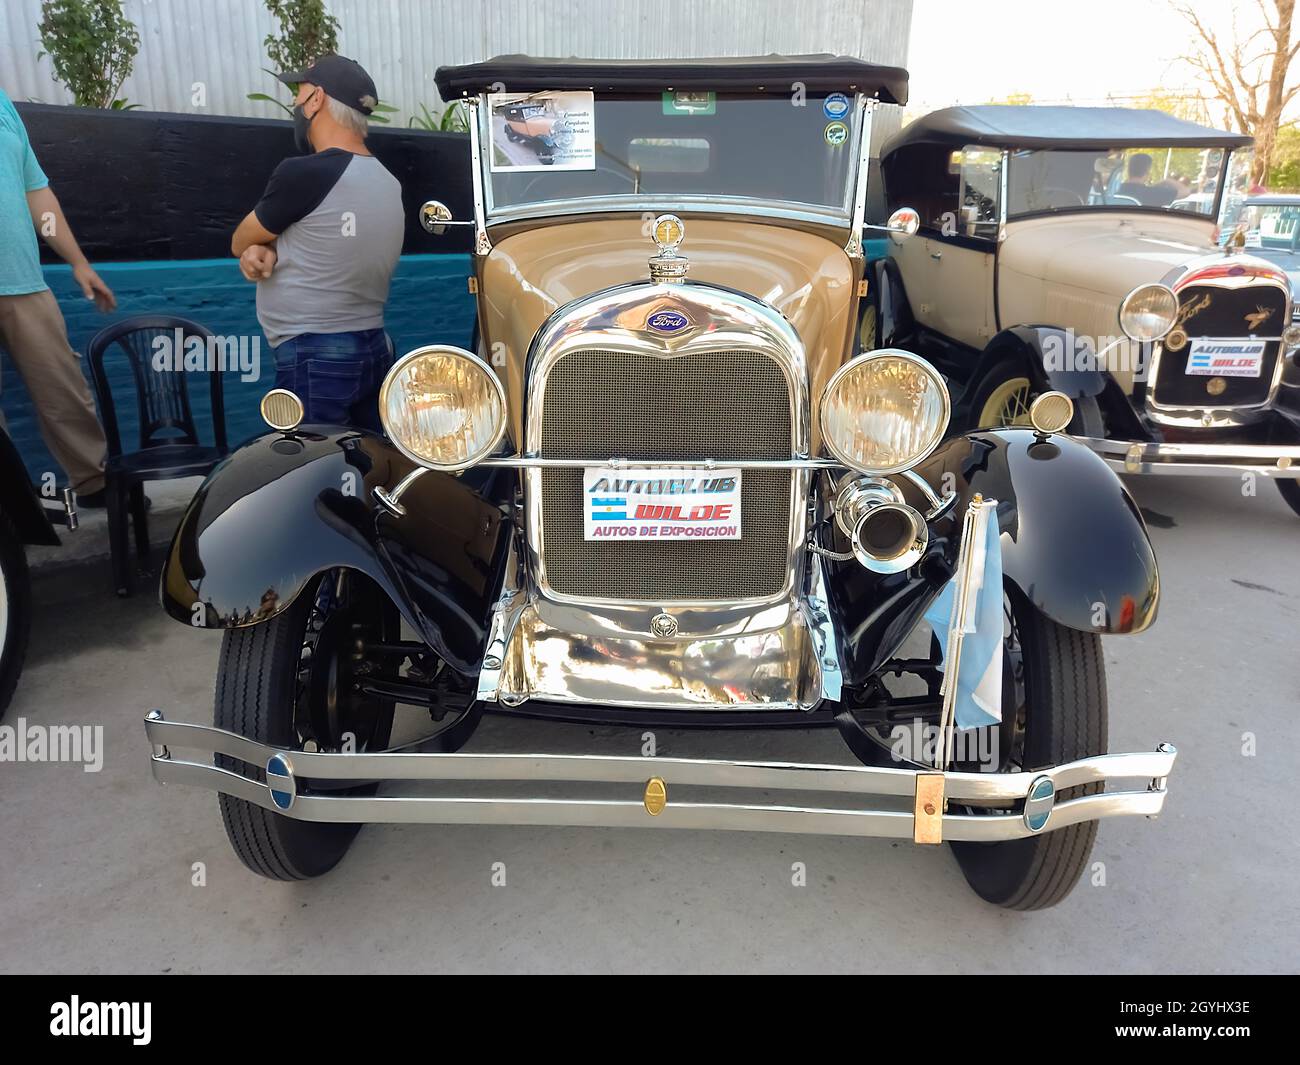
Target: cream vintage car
1074,249
666,492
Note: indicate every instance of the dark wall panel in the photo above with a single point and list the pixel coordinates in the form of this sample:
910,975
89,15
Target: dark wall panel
144,185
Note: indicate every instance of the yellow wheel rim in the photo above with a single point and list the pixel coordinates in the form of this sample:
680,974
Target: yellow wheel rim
867,330
1007,405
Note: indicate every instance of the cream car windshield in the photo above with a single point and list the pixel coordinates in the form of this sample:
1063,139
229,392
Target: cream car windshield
546,152
1168,179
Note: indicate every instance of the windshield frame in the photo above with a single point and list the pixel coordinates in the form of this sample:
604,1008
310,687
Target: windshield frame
850,216
1120,208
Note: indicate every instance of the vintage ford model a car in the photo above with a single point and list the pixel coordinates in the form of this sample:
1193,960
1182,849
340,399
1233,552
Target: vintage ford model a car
665,492
533,122
1073,249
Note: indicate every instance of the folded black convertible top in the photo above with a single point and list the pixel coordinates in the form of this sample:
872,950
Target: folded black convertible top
1080,128
769,74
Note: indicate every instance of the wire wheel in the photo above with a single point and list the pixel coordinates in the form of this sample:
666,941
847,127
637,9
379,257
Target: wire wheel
1007,404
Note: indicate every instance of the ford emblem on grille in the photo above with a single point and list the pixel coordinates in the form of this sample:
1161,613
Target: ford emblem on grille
667,321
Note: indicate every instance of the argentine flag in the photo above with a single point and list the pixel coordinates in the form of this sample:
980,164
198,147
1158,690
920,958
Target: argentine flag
979,676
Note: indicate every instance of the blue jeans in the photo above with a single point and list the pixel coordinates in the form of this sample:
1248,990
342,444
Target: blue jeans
336,375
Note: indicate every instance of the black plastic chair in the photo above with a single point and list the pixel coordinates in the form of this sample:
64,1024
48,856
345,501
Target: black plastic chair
169,440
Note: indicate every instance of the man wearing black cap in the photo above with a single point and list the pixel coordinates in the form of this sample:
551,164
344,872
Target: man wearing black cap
322,244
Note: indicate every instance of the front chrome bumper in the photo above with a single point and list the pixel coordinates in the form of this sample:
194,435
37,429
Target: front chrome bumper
1020,804
1197,460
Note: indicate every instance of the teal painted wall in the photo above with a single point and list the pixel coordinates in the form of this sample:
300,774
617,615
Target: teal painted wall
428,303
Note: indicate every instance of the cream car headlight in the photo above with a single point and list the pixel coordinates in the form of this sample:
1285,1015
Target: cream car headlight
443,407
884,411
1148,312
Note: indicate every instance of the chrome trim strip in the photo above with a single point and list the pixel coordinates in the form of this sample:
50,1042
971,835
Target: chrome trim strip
1252,336
865,107
407,807
817,611
1002,195
505,620
536,462
1197,460
693,206
482,243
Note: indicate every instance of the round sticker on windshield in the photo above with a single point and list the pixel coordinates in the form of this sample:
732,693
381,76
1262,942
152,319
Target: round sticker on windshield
836,133
836,105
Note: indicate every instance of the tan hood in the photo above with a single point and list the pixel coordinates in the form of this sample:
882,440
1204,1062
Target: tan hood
528,275
1110,253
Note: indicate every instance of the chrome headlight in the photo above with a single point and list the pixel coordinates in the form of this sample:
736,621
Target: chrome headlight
443,407
1148,312
884,411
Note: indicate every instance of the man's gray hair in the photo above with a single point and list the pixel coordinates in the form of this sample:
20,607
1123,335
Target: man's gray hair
348,117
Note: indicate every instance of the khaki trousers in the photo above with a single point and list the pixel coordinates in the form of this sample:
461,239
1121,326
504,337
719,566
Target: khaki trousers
34,333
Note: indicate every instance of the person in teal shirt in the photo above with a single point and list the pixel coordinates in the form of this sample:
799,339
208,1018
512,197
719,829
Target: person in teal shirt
32,329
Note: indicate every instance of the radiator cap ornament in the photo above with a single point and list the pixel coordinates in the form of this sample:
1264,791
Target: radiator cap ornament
668,267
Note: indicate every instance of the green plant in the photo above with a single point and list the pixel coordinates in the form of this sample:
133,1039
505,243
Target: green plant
307,32
452,120
286,108
92,45
1284,174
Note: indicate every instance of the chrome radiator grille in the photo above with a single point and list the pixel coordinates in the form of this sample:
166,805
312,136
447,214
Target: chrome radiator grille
721,405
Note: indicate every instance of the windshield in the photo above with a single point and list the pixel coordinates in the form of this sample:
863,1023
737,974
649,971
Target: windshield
543,148
1270,226
1170,179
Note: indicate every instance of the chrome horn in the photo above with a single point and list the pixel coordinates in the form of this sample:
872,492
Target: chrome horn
885,534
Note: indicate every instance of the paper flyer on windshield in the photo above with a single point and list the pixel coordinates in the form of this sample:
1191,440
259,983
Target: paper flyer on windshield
542,131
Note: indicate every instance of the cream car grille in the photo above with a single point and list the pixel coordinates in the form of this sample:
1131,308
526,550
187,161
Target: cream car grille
721,405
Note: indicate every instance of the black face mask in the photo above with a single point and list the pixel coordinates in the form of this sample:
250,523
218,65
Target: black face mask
301,124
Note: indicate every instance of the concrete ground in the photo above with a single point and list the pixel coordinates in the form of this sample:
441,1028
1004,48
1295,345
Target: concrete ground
96,873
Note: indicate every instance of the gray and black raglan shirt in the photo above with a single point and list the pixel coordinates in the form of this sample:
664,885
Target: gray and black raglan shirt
339,221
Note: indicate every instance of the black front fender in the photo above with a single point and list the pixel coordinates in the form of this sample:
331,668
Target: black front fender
1073,541
1056,358
281,510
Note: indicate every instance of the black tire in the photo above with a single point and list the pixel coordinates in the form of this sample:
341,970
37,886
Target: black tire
15,610
1065,718
261,694
1289,488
